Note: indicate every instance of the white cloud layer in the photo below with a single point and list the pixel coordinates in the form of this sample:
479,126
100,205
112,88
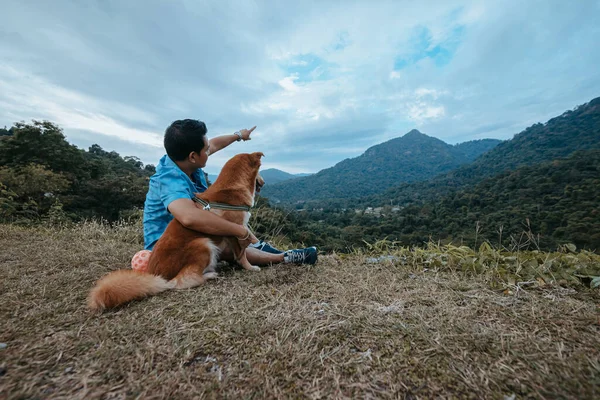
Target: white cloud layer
322,80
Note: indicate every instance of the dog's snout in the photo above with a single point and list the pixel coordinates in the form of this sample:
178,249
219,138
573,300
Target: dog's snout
259,182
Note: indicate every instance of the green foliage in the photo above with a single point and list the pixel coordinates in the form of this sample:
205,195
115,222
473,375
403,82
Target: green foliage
8,205
559,137
44,177
33,180
541,206
41,143
32,190
56,216
508,269
474,148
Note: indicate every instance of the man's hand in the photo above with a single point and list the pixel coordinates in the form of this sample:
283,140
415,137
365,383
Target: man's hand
220,142
246,241
246,133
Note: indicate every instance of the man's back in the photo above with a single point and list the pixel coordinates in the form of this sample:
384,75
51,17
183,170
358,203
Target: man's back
169,183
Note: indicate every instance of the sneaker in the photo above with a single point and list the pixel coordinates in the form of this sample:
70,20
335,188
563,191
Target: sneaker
301,256
264,246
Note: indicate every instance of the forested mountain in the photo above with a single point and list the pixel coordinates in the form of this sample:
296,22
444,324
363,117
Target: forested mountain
40,171
474,148
412,157
270,175
557,200
574,130
546,180
274,175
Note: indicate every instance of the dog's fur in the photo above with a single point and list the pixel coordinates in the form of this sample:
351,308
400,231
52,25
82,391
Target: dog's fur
183,258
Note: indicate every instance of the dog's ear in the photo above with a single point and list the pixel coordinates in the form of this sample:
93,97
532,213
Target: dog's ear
256,157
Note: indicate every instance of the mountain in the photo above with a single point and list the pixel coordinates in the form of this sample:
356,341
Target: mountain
270,175
544,205
273,175
559,198
412,157
574,130
474,148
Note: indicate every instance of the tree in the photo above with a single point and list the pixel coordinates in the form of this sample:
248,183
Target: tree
41,143
134,161
150,169
33,180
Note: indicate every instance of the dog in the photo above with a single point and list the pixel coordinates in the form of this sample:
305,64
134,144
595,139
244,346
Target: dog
183,258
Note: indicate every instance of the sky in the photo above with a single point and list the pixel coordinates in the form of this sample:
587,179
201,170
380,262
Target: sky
323,81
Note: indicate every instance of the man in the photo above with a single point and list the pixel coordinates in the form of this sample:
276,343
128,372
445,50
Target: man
179,175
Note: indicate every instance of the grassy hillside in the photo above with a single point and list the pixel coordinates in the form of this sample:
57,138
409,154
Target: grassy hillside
434,322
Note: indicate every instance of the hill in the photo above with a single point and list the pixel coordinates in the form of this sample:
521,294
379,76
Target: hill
474,148
274,175
412,157
270,175
526,179
574,130
542,206
43,176
557,200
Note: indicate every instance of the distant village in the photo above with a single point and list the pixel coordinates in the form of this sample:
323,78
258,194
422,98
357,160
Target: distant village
375,211
378,211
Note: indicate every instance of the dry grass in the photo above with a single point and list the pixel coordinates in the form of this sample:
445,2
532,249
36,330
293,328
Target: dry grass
340,329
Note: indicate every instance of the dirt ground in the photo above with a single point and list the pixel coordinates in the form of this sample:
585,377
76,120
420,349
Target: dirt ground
344,328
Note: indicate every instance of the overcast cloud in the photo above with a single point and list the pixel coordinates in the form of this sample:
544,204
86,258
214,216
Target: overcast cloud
322,80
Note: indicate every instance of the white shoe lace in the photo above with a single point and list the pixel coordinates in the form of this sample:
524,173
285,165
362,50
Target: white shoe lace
295,256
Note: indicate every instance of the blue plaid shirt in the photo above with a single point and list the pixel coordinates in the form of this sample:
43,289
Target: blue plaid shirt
169,183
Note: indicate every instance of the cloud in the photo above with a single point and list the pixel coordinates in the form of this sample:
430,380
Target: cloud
323,81
29,97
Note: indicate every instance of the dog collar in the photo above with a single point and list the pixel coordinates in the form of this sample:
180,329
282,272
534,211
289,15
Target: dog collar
221,206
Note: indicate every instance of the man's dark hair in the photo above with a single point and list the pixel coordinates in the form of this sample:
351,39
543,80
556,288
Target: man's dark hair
184,136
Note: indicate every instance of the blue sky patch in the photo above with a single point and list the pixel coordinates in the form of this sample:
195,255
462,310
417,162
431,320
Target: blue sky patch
422,47
308,67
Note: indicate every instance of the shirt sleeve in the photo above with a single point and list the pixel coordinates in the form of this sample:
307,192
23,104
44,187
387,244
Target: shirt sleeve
173,187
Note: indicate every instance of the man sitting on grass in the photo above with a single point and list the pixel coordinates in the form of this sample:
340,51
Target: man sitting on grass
179,175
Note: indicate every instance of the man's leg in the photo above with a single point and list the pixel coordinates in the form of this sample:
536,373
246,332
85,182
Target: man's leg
258,257
254,256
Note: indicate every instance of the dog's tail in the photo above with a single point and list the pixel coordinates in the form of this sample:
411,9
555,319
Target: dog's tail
120,287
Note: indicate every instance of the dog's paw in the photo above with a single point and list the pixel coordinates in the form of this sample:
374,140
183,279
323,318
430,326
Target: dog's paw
253,268
210,275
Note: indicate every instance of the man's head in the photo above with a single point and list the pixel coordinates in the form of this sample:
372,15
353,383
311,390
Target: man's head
186,141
